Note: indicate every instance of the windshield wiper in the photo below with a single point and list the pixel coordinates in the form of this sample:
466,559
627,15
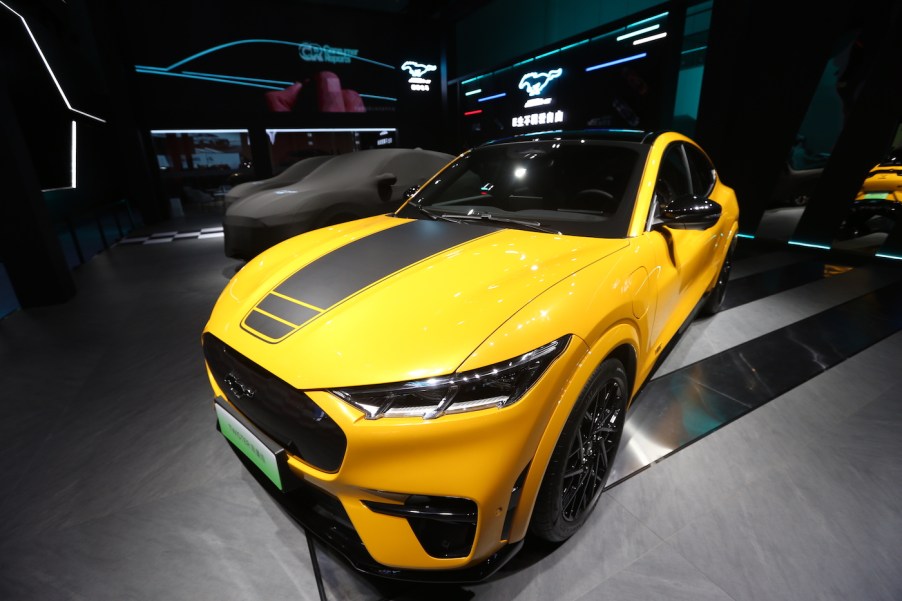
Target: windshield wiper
428,214
478,216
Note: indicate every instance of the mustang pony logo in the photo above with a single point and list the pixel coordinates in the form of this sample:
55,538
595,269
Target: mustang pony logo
417,69
534,82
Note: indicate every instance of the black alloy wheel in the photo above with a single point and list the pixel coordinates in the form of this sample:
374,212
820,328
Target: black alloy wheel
582,459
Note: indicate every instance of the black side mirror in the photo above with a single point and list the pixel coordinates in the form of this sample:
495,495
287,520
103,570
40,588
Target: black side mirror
384,182
689,212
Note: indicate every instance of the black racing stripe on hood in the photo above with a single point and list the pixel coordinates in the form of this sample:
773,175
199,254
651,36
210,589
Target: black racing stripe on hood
336,276
266,325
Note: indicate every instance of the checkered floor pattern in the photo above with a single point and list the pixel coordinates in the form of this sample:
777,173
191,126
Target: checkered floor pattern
164,237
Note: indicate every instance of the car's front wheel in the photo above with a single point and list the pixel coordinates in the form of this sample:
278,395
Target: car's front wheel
581,461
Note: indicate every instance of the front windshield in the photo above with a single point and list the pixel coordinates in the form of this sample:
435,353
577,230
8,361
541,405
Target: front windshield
584,188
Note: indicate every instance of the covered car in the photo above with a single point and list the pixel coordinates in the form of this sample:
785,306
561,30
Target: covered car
423,389
349,186
290,175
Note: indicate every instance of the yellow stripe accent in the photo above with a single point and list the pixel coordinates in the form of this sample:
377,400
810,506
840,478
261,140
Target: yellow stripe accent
295,301
276,317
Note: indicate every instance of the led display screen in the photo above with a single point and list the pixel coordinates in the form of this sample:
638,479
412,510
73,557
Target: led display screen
266,58
611,80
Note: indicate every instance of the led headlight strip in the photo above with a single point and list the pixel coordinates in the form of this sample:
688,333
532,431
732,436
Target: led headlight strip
497,385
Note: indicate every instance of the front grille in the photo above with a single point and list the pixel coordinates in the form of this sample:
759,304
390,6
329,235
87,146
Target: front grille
286,414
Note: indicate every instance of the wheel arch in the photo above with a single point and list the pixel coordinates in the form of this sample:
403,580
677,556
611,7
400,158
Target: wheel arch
620,342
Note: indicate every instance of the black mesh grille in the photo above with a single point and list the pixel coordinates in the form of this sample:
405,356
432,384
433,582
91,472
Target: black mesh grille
286,414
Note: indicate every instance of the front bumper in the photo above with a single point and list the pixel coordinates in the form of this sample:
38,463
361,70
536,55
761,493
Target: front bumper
397,504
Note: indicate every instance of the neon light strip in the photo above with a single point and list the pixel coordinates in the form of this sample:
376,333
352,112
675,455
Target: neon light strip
471,92
486,98
204,78
568,47
664,14
657,36
523,62
694,50
265,41
747,236
633,34
617,62
547,54
886,256
476,112
809,245
74,154
328,130
47,64
254,79
389,98
198,131
466,81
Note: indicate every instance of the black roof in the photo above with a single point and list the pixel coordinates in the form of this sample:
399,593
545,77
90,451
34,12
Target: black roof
617,135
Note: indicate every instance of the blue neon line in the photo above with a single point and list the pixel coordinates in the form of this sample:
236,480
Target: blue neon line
747,236
694,50
547,54
264,41
617,62
664,14
887,256
471,92
501,95
216,79
472,79
240,78
529,60
809,245
378,97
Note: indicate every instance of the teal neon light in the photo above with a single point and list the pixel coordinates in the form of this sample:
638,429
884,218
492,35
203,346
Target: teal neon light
231,80
569,46
809,245
298,45
389,98
691,50
746,236
648,20
239,78
472,92
617,62
888,256
547,54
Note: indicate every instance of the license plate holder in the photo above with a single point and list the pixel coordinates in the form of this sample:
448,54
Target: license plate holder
268,455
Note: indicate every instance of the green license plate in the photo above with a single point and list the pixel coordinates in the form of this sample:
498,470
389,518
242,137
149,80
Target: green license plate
263,452
875,196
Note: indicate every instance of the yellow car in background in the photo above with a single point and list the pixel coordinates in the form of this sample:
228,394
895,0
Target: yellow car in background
424,388
884,181
878,204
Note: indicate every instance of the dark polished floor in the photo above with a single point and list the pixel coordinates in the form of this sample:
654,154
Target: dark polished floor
759,463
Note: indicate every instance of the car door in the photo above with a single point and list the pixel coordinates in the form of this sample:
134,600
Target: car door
686,257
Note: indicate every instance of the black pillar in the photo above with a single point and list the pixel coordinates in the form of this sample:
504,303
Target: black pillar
765,60
872,117
29,247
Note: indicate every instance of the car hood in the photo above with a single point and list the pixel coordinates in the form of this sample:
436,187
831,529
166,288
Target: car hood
386,300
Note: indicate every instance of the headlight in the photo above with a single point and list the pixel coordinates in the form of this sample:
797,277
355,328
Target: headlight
497,385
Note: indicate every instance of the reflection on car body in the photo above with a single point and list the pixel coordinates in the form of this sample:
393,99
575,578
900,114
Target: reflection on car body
425,388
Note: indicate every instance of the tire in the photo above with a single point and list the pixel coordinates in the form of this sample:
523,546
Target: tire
582,459
715,297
